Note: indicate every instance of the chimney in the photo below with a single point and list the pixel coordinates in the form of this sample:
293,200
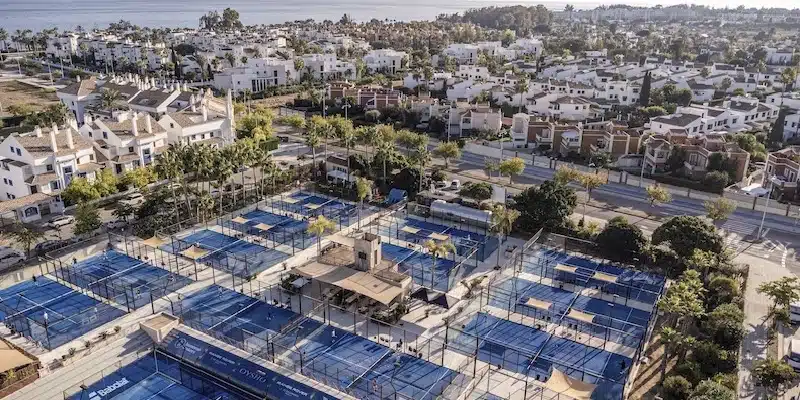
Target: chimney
205,113
134,125
148,123
53,144
193,108
70,142
78,78
37,131
185,87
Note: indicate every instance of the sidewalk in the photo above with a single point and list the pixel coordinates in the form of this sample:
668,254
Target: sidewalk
756,308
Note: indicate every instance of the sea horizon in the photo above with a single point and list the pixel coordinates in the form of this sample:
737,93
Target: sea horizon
66,15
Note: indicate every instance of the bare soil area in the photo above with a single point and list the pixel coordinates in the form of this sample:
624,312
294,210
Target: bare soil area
15,92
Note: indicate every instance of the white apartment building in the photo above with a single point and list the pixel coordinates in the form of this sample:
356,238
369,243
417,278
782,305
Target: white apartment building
126,142
37,165
738,114
213,123
528,46
464,53
78,96
621,92
326,67
472,72
387,60
62,46
256,76
558,106
779,56
463,118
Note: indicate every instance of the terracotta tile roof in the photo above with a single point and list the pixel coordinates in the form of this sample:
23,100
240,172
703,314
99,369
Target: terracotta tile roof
24,201
40,146
186,119
82,88
123,129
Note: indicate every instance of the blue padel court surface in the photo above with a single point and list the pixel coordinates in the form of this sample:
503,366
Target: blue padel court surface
276,228
612,321
527,350
237,256
312,205
123,279
69,314
368,370
237,316
329,355
421,268
634,285
418,232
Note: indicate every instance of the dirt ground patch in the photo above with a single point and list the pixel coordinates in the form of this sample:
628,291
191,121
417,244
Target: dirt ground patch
647,380
14,92
277,101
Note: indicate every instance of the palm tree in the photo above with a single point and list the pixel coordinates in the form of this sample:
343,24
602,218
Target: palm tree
170,166
205,205
502,223
221,171
369,135
348,138
3,38
84,48
231,59
671,339
318,227
25,236
788,76
109,98
421,158
436,251
386,149
312,141
521,87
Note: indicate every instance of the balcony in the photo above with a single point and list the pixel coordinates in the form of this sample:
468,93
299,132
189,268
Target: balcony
656,157
544,138
600,148
784,182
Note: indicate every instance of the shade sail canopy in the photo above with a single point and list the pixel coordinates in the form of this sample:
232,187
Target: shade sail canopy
194,252
438,236
11,358
352,280
290,200
563,384
605,277
263,227
240,220
566,268
581,316
154,241
409,229
544,305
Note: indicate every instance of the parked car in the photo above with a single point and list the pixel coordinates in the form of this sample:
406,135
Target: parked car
10,258
61,221
441,185
133,199
117,224
454,185
49,245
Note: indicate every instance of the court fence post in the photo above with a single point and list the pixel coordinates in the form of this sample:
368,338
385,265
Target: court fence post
152,302
127,301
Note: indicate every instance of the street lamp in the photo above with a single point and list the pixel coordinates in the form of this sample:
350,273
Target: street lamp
326,88
345,107
644,157
766,206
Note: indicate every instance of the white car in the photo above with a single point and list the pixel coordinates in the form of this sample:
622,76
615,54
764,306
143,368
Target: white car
133,199
61,221
117,224
11,258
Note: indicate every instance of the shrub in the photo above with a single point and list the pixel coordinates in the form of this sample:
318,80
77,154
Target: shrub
478,190
716,181
372,116
676,388
689,370
438,175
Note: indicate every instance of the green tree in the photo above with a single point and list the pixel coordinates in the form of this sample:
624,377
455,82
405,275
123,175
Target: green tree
590,182
437,250
716,181
80,190
123,210
773,375
565,175
503,220
448,151
140,177
657,195
672,341
312,141
477,190
676,388
490,165
725,325
87,219
686,233
719,209
318,227
783,292
547,206
739,92
711,390
105,183
511,167
721,290
621,241
24,236
683,300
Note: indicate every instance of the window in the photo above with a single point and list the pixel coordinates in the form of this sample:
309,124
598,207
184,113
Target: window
54,185
105,135
362,255
12,149
49,167
5,181
130,149
10,182
19,152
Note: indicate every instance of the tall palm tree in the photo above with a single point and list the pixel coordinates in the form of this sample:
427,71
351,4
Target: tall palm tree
170,166
312,141
221,171
348,138
369,136
521,87
205,206
421,158
671,339
3,38
318,227
502,223
84,48
387,150
437,250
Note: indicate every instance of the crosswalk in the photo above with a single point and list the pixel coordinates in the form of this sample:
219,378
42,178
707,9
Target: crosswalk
738,237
